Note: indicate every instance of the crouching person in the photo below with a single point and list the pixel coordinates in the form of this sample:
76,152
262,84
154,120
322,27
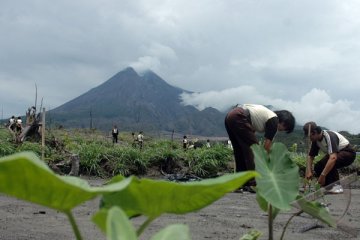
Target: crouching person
338,154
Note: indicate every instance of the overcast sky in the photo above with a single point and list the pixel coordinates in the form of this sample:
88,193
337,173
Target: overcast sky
303,56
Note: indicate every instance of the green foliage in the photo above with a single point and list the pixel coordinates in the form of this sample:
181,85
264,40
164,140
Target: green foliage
278,182
154,197
158,151
100,157
33,147
118,225
357,162
317,210
278,185
208,162
6,147
251,235
91,156
25,176
127,161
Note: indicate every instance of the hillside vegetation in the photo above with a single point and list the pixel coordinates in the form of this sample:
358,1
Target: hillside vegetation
160,157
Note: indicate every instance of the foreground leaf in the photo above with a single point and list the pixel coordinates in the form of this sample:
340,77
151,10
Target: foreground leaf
317,210
252,235
26,177
264,205
278,182
173,232
153,198
118,226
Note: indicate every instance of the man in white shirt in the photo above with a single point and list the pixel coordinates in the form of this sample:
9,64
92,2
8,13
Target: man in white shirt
140,139
338,153
12,123
243,121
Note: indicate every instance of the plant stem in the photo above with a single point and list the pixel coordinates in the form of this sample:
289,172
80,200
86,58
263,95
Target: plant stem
73,225
144,225
288,222
270,223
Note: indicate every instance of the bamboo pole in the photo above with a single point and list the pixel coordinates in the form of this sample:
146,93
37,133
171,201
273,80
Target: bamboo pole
43,134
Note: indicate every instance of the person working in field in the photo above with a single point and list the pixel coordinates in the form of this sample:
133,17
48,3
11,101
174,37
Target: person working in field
12,123
338,153
19,126
115,133
243,121
140,139
185,142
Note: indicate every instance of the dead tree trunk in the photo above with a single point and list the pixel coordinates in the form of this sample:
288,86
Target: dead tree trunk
75,163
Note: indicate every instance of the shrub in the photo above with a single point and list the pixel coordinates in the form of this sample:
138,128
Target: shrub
208,162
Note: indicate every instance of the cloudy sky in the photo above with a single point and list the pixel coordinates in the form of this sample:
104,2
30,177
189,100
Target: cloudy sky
303,56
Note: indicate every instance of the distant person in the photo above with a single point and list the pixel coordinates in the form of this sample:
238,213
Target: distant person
12,123
185,142
115,133
243,121
208,143
140,139
19,126
338,153
229,145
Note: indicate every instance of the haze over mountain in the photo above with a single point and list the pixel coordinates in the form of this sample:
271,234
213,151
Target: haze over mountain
137,103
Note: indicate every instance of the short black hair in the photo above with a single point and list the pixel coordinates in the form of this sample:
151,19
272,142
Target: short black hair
287,119
312,126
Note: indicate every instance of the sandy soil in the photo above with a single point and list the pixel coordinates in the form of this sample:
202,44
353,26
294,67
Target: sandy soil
228,218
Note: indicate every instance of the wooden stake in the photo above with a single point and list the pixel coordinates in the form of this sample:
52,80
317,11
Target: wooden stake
43,134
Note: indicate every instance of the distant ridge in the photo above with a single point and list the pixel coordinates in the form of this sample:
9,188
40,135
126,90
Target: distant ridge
137,103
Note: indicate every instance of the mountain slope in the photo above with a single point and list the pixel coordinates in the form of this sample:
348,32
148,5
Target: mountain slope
135,103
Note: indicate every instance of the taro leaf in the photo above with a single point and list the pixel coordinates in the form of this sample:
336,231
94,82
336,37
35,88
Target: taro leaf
278,182
25,176
118,226
317,210
264,205
153,198
100,217
252,235
173,232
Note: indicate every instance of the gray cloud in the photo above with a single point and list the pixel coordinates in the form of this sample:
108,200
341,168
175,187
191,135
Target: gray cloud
338,114
267,51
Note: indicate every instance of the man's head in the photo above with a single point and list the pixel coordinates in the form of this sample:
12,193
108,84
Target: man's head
286,121
312,130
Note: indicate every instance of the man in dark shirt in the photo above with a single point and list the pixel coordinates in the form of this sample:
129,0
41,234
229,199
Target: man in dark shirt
338,153
243,121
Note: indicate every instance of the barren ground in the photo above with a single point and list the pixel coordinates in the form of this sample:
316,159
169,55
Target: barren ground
228,218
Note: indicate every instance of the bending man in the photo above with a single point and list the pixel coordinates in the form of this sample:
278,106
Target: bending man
243,121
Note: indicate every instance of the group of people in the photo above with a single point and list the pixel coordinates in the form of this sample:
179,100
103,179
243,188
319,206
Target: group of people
243,121
138,139
15,124
193,144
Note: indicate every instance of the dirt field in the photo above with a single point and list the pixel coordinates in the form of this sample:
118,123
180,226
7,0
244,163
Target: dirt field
228,218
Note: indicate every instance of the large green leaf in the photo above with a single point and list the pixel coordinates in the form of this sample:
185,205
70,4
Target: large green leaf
25,176
153,198
315,209
251,235
173,232
278,182
264,205
118,226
